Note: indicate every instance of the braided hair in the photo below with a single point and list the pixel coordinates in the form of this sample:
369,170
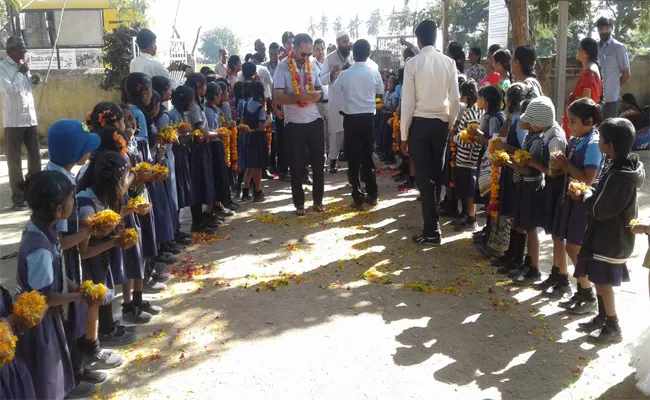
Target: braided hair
196,82
45,191
105,114
503,57
527,57
590,46
104,175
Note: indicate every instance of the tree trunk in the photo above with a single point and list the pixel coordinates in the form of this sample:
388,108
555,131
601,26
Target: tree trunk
518,10
445,25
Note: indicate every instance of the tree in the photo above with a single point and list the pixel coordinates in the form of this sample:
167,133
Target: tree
322,25
374,23
132,10
311,27
219,38
117,55
337,24
353,27
518,12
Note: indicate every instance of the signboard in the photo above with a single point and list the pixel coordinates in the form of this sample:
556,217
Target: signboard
40,59
498,23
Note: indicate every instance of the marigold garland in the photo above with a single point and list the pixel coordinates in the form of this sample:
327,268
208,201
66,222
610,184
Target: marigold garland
295,78
520,156
226,143
183,127
197,133
159,171
500,156
31,307
452,162
134,202
473,128
466,137
7,343
169,134
128,237
578,188
234,133
92,291
378,104
106,217
119,139
143,166
394,123
493,206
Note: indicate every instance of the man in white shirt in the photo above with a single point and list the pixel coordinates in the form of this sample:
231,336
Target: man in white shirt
359,86
262,73
428,114
221,68
19,117
334,63
147,64
317,63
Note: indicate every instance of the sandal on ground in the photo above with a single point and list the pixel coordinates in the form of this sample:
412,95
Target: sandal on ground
300,212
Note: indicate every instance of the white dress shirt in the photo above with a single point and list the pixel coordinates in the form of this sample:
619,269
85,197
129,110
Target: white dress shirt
265,77
17,99
147,64
318,68
360,84
430,89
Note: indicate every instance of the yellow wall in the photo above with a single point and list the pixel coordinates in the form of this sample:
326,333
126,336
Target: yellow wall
67,95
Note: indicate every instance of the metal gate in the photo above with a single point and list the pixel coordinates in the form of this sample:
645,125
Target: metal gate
170,50
389,51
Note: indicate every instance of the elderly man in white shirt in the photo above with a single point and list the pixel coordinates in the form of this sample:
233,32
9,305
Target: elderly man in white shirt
428,114
19,117
359,86
146,63
334,63
221,68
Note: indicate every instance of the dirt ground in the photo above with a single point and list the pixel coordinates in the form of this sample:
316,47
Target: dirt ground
342,305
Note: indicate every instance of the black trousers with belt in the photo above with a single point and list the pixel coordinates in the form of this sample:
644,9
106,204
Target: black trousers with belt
359,141
298,137
427,145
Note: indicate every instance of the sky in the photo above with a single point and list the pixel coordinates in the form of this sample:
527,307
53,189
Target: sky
259,19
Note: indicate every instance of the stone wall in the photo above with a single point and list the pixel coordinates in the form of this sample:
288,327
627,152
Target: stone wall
67,94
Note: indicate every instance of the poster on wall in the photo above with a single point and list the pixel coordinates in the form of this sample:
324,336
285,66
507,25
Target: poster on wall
40,59
498,23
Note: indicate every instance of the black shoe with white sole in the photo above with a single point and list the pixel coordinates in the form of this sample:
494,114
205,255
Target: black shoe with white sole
427,240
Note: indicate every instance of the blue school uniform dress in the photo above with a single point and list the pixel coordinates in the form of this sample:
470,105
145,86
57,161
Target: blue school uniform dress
571,216
256,152
181,165
141,120
385,132
201,162
510,179
151,193
43,348
530,204
15,379
75,324
170,183
554,140
105,268
220,171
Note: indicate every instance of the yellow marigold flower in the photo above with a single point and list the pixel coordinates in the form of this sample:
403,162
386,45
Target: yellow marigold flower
135,202
520,156
106,217
92,291
143,166
31,306
7,343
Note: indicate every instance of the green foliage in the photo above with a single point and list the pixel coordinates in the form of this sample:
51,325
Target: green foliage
374,22
337,25
311,27
117,54
133,11
323,24
218,38
353,27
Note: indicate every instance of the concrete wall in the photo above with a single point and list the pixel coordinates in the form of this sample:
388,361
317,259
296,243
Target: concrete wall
67,94
638,85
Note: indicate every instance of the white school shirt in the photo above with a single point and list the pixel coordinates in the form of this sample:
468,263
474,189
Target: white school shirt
436,97
360,84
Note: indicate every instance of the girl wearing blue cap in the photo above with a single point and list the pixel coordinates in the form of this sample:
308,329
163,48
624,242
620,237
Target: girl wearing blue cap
70,143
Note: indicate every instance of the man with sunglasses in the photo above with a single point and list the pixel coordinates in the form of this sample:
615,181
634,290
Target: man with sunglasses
303,123
335,62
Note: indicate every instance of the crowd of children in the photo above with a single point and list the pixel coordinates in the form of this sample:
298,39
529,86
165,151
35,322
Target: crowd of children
146,163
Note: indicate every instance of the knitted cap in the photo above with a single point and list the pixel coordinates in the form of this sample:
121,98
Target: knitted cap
540,112
68,140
